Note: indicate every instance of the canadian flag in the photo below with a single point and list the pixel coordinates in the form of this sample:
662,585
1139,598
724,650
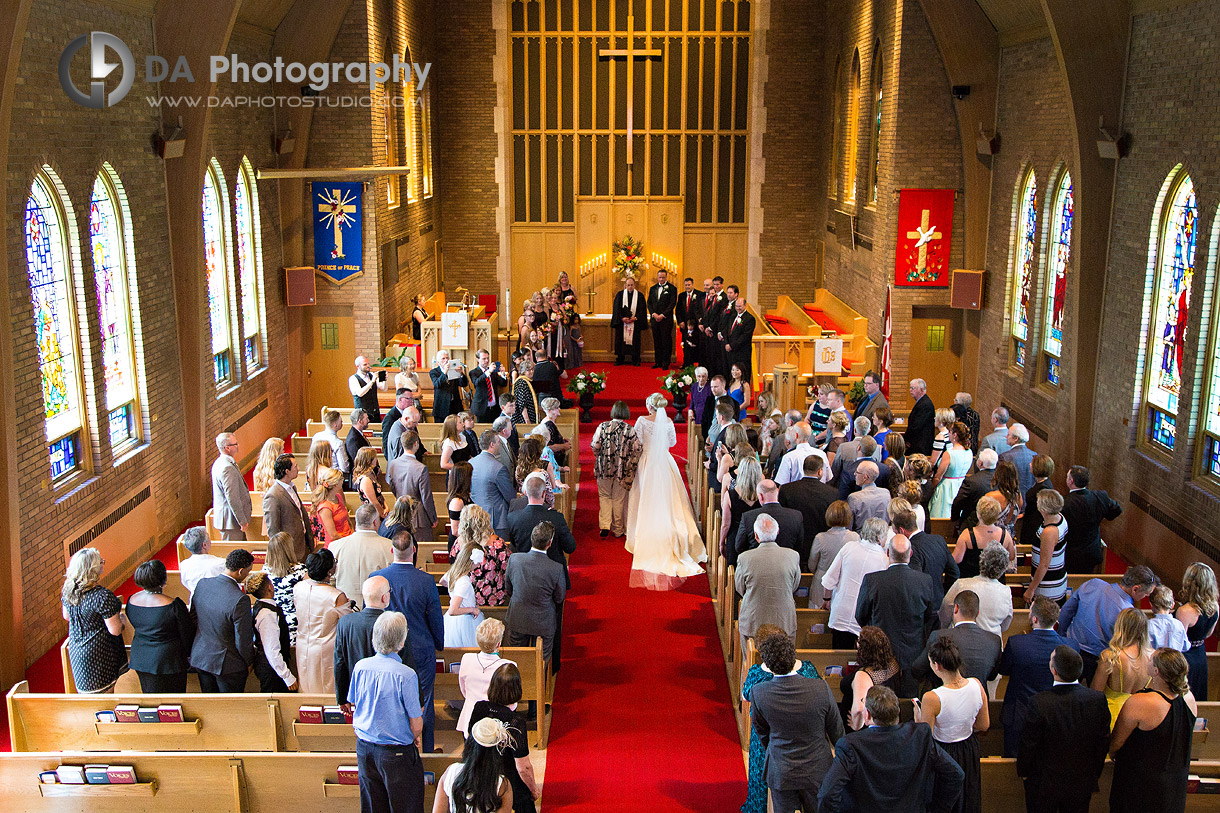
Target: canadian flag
885,344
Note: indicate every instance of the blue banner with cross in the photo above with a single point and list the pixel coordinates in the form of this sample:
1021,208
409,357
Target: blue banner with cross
338,247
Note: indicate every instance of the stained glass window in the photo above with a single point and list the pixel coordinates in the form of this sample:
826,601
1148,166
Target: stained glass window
1175,270
1211,417
836,125
52,291
108,240
1025,240
875,164
249,265
425,121
1059,253
216,258
853,125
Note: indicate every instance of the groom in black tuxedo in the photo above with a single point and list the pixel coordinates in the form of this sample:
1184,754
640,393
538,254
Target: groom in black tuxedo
630,310
661,300
687,311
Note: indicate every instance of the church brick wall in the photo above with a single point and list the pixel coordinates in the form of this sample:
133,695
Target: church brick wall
1035,128
464,97
1171,111
75,141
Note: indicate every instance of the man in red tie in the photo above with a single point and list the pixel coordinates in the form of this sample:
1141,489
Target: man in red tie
488,380
738,336
687,313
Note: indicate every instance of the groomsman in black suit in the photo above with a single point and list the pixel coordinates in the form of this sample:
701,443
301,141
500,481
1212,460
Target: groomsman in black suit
738,337
687,312
724,318
714,301
662,298
630,315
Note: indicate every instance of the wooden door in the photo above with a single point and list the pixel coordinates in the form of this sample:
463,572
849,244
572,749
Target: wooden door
329,358
936,352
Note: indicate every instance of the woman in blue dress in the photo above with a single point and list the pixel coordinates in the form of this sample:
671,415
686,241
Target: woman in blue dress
756,790
739,390
950,471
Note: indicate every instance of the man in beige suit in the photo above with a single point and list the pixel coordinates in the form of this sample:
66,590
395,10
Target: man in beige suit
358,555
767,577
283,511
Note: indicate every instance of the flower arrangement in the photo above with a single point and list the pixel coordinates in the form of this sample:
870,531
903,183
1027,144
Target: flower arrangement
590,383
629,258
679,381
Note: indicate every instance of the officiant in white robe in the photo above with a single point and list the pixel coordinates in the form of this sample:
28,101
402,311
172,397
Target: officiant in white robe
629,320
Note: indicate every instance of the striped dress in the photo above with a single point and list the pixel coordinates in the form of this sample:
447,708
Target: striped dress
1054,583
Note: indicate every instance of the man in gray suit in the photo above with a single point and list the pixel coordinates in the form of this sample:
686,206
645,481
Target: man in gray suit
503,427
791,524
490,484
283,511
1020,455
394,446
870,501
980,649
408,477
849,451
230,498
535,586
797,722
223,651
998,437
767,576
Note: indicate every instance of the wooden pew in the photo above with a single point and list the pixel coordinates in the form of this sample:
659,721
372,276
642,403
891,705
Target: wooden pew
247,781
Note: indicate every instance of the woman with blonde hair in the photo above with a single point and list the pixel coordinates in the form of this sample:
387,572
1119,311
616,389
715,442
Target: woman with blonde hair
1198,613
733,436
1049,576
329,508
366,479
1151,740
454,447
943,420
407,377
400,518
662,534
950,469
95,627
487,576
911,491
321,456
463,615
1125,667
836,428
737,496
264,469
973,541
285,572
474,674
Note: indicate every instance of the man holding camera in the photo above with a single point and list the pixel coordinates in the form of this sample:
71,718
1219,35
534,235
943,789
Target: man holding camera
489,381
448,378
364,385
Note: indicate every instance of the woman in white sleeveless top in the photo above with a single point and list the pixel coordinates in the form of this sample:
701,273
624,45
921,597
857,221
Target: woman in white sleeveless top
956,710
476,781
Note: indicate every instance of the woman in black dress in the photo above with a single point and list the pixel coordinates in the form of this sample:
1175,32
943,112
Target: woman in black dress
95,627
1151,741
1198,614
418,316
504,693
163,633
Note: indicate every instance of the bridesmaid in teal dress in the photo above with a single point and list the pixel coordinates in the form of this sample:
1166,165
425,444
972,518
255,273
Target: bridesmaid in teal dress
756,790
952,469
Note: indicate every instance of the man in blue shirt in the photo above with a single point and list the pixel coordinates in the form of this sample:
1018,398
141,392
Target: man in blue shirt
389,725
1024,661
413,593
1088,616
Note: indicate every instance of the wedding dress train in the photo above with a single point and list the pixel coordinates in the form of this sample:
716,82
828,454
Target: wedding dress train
662,533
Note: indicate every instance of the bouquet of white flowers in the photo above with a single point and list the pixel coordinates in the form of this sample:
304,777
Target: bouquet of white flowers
589,383
679,381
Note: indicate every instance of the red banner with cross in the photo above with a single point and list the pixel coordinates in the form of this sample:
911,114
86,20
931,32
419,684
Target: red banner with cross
925,226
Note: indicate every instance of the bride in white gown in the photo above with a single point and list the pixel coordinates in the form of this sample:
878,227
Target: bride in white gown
661,530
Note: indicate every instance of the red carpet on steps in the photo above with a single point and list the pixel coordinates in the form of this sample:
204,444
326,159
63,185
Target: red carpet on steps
641,717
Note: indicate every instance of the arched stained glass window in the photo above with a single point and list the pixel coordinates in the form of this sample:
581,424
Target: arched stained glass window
249,266
108,239
1024,261
410,122
425,128
216,258
1059,254
1210,423
1175,271
48,238
853,126
874,165
836,129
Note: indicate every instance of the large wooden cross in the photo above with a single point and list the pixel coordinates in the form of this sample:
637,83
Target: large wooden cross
924,234
631,53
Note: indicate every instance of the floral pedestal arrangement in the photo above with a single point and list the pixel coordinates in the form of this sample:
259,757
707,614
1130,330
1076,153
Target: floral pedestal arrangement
585,385
678,384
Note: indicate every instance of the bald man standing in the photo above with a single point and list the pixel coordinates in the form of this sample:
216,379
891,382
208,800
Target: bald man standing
871,500
354,635
364,385
907,614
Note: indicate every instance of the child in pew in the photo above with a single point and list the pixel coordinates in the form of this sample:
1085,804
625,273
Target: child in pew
271,644
1163,629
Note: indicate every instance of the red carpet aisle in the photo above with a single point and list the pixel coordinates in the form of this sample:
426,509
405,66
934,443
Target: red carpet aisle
641,715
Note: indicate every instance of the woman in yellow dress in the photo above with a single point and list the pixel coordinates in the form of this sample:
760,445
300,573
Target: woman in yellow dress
1126,666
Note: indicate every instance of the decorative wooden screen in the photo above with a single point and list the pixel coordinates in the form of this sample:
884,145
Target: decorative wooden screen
685,116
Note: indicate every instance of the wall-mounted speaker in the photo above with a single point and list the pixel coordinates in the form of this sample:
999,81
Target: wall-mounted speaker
299,285
966,289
